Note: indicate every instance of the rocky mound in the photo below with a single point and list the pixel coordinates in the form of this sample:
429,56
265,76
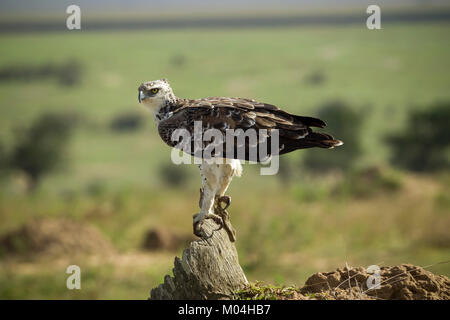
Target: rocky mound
403,282
55,237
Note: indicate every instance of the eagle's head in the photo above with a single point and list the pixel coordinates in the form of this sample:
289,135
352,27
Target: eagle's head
155,94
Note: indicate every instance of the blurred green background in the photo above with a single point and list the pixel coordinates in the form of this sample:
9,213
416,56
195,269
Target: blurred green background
86,180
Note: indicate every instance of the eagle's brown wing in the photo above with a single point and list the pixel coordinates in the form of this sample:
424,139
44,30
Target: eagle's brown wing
224,113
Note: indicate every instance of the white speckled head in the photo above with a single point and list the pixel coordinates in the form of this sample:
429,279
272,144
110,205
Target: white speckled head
155,94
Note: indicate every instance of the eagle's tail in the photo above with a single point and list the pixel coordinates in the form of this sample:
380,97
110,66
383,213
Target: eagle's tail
313,139
322,140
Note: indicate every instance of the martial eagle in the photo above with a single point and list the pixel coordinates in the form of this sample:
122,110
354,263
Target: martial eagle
224,113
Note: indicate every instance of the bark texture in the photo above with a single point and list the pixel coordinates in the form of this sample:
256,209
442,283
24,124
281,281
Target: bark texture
208,269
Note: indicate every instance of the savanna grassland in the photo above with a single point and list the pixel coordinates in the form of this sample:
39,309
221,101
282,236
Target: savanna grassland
288,226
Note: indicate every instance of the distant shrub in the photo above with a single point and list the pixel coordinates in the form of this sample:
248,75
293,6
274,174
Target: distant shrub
68,73
173,175
126,122
178,60
39,149
369,182
3,157
315,78
3,162
96,188
423,145
344,124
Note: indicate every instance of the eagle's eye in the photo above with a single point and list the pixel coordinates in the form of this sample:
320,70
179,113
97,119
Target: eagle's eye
154,90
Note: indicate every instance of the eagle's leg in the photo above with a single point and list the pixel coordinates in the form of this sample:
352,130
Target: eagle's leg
222,202
216,178
207,198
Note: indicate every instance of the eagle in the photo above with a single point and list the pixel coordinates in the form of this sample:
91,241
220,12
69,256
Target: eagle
172,113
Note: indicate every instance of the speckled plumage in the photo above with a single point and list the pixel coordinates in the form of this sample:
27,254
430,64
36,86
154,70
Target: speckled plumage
223,113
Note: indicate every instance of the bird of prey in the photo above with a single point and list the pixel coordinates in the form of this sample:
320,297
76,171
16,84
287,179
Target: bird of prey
224,113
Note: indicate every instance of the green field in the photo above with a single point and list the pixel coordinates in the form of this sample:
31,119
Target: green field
285,233
386,72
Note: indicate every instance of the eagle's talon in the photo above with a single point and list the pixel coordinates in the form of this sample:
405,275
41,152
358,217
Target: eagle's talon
197,229
226,222
200,201
232,234
224,200
197,225
217,219
199,232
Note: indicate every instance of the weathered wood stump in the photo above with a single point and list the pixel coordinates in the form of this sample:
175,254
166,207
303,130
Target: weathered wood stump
208,269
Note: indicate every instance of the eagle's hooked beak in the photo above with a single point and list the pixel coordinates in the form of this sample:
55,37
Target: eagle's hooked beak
141,96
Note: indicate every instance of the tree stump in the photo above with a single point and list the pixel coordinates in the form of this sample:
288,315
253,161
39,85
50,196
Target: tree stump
208,269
